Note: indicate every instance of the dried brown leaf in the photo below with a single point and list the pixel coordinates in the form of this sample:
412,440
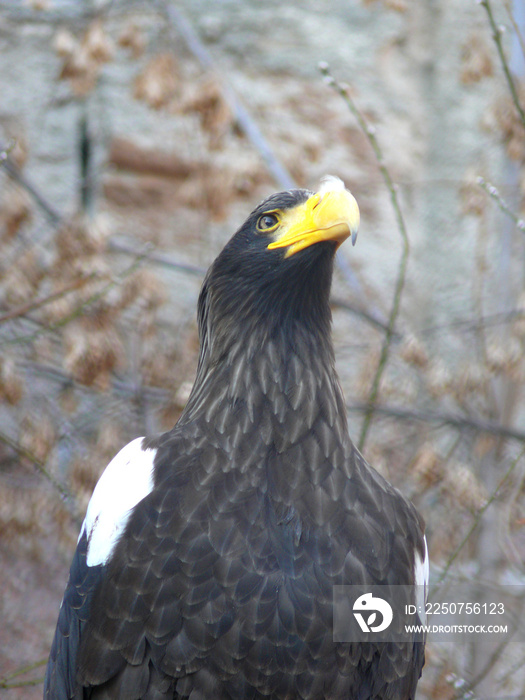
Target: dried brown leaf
22,280
428,467
38,435
92,353
65,43
439,380
472,379
80,70
208,103
413,352
11,384
145,288
84,473
109,440
397,5
463,487
97,43
504,357
81,236
157,85
16,210
473,199
509,123
133,38
476,59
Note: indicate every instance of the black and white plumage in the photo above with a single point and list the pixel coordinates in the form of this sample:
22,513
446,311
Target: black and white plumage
206,562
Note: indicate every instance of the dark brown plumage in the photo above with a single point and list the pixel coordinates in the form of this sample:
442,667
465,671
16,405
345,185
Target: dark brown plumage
218,581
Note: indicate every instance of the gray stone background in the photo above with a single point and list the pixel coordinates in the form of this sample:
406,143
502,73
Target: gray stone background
170,176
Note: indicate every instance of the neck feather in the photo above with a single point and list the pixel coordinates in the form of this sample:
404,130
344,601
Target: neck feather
274,387
266,374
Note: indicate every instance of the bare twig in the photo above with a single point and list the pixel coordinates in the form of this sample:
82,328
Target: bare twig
5,681
160,395
471,326
493,192
5,151
515,26
164,259
514,668
242,117
20,684
369,132
119,386
14,172
451,419
81,308
466,691
496,34
478,517
367,316
64,492
38,303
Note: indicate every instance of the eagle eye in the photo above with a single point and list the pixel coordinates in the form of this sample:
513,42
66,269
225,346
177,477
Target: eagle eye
267,222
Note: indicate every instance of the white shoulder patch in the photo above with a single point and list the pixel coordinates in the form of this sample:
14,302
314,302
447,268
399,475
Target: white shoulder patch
421,579
127,479
421,568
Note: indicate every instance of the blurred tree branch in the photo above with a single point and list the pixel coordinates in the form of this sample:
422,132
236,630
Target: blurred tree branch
243,118
64,492
496,35
15,173
479,516
493,192
5,681
369,132
81,308
512,19
24,309
454,420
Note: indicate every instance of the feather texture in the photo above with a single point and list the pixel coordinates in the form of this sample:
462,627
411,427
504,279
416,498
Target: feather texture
257,504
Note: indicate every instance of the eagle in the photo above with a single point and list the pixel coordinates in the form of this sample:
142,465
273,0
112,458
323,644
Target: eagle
206,563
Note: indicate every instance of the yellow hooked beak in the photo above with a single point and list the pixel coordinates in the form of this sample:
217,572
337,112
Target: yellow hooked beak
331,214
